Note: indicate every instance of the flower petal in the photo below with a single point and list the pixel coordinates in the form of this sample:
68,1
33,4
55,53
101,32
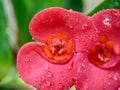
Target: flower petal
82,29
40,73
107,22
91,77
58,20
48,21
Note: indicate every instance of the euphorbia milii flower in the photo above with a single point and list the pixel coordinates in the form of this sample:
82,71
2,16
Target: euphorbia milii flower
99,67
47,64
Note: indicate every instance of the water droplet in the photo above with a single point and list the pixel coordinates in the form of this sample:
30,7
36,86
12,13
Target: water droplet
115,77
109,83
82,39
78,70
77,39
49,74
60,85
100,78
42,78
46,67
71,26
64,77
47,83
90,37
82,65
85,87
28,59
106,22
84,27
69,67
60,71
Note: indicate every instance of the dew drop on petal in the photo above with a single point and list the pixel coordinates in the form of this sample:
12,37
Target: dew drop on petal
108,83
77,39
64,77
115,77
60,71
90,37
71,26
84,27
49,74
60,85
106,22
47,83
20,67
28,59
78,70
85,87
46,67
42,78
69,67
99,78
82,39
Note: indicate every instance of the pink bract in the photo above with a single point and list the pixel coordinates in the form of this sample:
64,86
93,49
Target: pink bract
33,66
89,76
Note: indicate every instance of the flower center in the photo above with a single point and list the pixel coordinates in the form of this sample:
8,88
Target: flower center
58,47
101,52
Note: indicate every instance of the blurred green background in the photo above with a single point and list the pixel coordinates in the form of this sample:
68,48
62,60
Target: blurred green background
15,16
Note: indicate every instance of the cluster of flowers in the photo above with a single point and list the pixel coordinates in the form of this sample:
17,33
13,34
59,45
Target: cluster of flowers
72,49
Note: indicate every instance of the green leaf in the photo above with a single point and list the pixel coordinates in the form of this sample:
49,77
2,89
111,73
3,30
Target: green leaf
21,11
13,82
76,5
106,4
5,50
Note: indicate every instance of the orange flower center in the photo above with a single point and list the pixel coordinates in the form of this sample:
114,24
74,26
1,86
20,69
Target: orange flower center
58,47
101,52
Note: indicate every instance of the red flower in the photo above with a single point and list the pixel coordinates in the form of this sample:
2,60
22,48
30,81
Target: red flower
99,67
47,64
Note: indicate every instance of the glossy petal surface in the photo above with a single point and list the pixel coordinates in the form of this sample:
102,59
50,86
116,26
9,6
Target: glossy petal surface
36,71
58,20
105,77
34,67
90,77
